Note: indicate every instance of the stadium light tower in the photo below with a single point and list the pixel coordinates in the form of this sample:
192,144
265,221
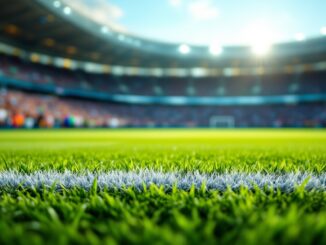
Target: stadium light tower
184,49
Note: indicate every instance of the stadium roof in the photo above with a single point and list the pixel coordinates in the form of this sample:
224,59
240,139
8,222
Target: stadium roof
56,29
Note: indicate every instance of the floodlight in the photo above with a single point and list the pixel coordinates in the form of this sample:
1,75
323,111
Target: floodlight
184,49
57,4
215,49
67,10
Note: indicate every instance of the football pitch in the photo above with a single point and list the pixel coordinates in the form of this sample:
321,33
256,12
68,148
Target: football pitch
163,186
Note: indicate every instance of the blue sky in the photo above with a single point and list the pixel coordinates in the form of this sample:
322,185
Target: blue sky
227,22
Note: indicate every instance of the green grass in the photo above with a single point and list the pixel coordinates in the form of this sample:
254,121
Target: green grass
178,217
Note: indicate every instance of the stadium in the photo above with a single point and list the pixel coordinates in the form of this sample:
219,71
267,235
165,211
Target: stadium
111,136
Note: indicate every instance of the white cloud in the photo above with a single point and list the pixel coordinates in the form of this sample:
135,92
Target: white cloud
203,10
100,11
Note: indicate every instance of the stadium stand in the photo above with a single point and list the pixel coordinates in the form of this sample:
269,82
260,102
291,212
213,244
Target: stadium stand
284,84
80,76
31,110
21,109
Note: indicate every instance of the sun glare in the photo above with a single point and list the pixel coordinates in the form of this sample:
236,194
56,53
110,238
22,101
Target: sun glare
260,36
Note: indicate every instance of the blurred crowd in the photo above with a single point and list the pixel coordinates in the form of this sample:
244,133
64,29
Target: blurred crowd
19,109
26,110
300,83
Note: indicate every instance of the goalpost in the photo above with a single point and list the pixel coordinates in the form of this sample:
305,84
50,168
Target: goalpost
222,122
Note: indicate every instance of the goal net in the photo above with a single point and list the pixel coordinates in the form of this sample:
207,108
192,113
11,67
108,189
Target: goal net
222,122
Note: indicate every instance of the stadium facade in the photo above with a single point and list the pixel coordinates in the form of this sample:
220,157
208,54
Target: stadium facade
58,68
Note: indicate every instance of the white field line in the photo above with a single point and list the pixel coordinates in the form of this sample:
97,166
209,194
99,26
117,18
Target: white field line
119,179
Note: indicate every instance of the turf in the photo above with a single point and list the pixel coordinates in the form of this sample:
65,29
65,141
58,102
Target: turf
155,214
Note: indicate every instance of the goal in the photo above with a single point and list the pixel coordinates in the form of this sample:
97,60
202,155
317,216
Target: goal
222,122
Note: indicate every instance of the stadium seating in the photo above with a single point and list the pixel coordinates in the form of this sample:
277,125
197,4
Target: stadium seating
21,109
31,109
305,83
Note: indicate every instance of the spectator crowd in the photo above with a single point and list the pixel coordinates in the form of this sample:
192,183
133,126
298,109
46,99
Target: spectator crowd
20,109
301,83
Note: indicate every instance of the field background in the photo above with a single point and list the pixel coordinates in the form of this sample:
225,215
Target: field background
239,217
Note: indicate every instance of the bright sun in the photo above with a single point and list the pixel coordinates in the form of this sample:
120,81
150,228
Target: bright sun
260,35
